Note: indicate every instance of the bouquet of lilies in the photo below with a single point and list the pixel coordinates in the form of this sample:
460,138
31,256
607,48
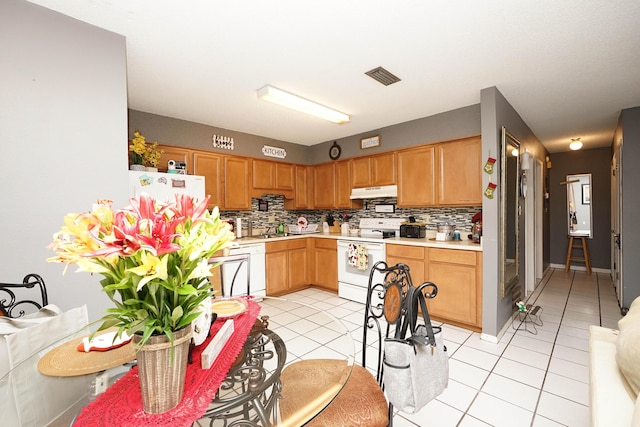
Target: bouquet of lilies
153,256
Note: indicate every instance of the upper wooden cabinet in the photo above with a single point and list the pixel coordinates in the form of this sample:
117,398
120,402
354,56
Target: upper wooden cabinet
179,154
274,176
285,179
211,166
303,189
373,170
237,183
460,172
324,177
343,186
416,171
443,174
264,175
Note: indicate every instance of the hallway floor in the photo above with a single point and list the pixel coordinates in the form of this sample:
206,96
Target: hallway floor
532,380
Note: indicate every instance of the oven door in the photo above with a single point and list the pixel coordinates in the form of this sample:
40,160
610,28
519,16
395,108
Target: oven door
354,279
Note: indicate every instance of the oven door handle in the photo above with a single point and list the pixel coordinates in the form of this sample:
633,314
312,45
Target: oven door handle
370,246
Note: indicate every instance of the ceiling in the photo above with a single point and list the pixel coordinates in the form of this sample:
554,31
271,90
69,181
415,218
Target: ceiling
568,67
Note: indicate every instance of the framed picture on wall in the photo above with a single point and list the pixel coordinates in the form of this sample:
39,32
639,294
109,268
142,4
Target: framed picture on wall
586,194
370,142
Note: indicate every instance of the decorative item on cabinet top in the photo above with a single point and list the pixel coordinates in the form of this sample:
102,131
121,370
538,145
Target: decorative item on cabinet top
224,142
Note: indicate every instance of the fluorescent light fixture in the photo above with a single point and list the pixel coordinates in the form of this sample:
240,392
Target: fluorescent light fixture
294,102
575,144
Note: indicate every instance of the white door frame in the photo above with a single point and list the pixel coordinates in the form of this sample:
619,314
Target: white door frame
533,226
616,222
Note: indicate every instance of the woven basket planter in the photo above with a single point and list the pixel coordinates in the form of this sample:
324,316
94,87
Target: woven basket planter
161,376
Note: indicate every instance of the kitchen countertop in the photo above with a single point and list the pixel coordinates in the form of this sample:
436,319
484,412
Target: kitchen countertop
466,245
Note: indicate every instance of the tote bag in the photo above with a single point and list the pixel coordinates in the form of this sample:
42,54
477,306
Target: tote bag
416,369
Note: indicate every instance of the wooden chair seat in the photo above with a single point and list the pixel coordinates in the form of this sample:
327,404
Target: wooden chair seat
360,403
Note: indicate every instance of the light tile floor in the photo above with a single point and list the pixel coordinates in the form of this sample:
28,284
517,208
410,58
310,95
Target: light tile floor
539,380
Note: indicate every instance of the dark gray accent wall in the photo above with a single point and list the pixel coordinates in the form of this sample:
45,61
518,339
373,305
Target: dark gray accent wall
452,124
498,112
170,131
630,124
597,162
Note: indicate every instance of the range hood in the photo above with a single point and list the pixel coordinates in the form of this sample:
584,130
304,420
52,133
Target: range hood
374,192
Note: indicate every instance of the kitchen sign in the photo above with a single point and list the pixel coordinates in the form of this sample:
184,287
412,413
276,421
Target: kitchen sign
277,152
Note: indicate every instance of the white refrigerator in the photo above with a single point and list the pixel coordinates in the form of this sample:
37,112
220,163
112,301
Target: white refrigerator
164,186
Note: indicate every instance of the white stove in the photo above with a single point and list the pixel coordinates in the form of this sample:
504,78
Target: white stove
356,257
380,227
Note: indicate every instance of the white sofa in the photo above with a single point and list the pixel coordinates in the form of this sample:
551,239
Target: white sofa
614,372
28,398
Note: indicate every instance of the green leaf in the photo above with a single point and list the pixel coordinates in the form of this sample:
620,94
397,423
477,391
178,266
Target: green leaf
176,314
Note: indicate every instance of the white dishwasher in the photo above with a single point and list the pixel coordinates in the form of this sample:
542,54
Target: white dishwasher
242,273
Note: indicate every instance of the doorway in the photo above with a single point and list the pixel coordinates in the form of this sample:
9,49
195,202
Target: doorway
616,221
534,202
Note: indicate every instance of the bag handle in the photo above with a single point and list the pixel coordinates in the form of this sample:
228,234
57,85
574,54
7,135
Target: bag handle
416,296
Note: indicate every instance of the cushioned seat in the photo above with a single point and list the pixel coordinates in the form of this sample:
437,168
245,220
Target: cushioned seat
311,384
361,402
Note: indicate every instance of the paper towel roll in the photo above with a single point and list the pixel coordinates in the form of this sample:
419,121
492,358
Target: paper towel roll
239,228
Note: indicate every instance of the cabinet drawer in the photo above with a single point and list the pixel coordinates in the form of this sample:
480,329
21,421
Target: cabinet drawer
286,245
404,251
326,244
452,256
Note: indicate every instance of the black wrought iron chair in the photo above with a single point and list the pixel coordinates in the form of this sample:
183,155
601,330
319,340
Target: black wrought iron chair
19,299
361,402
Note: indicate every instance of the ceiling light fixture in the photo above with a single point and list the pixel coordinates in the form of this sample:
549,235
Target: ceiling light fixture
575,144
294,102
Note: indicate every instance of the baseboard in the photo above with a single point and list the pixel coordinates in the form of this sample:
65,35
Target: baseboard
581,268
495,339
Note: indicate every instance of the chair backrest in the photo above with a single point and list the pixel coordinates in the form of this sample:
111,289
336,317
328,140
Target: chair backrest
385,309
17,299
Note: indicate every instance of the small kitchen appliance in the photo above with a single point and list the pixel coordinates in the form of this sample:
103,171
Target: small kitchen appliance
413,230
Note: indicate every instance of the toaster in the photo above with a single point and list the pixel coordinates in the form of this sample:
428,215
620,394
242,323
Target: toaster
415,231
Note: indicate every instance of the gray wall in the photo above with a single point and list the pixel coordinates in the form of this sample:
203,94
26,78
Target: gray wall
630,125
597,162
449,125
452,124
63,127
497,112
170,131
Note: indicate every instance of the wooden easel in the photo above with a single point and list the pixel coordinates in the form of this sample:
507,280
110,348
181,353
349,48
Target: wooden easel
585,253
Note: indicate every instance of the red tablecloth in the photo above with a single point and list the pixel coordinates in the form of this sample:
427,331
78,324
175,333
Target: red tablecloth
121,404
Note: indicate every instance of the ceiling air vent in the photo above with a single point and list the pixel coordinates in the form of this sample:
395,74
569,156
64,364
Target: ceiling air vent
383,76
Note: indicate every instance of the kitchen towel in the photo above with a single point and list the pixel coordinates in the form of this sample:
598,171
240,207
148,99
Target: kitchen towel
358,256
363,257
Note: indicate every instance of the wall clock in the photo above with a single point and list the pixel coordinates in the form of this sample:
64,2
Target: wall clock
335,151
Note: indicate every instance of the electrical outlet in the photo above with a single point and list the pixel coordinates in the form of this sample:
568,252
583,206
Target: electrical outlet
425,218
272,218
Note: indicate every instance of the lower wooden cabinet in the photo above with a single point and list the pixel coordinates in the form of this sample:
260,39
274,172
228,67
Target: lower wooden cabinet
286,266
458,275
413,256
324,263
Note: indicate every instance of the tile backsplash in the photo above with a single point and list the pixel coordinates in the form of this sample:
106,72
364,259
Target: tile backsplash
461,216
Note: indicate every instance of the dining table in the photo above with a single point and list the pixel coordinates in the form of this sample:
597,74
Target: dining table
241,388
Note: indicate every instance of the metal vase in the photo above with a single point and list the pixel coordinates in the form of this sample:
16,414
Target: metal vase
162,376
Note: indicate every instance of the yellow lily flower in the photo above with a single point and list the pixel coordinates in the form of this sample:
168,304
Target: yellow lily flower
151,267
